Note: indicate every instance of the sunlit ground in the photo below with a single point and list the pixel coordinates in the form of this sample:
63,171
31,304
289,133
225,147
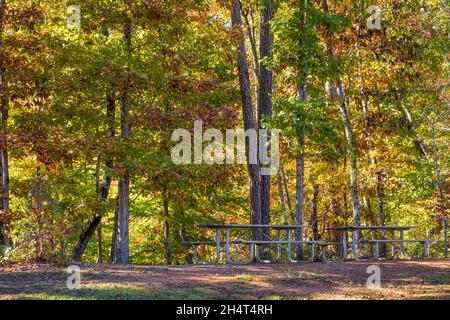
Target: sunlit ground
405,279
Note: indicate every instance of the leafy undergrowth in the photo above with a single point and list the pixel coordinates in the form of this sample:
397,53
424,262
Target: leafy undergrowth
407,279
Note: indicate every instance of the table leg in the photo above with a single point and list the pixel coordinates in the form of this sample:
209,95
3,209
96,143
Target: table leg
344,246
393,244
252,253
425,249
313,251
279,248
289,247
227,246
217,246
354,244
402,237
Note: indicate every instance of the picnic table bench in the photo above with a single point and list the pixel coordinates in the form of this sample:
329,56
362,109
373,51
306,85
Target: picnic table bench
424,242
249,229
371,229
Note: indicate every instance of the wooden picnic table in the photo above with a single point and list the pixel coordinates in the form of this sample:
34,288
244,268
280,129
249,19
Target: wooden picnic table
248,229
359,229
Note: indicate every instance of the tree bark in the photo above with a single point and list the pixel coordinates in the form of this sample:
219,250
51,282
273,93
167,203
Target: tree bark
439,190
184,238
353,155
113,252
265,97
348,132
167,244
288,196
281,194
249,121
4,163
381,215
123,213
314,215
300,173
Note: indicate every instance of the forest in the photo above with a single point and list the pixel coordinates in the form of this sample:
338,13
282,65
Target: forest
91,92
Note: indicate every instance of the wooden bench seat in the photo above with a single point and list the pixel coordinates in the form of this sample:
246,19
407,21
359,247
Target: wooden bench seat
424,242
282,242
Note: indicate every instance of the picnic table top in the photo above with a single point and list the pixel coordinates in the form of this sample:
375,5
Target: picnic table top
350,228
251,226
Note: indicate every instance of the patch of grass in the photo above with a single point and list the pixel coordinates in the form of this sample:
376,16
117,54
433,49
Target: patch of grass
244,278
109,292
272,298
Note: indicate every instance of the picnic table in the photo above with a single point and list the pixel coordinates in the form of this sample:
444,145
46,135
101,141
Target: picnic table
248,230
356,241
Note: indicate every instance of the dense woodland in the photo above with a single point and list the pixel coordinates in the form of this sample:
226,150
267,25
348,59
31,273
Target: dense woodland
87,116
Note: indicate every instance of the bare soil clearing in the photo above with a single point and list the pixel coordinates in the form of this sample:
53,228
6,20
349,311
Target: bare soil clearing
401,279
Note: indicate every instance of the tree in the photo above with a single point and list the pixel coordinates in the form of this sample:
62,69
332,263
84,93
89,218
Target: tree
249,120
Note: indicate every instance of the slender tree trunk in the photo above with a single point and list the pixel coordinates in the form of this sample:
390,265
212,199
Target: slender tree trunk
249,121
348,133
4,163
99,230
353,155
300,173
362,90
113,253
368,210
439,190
281,194
381,215
184,238
252,40
89,230
314,215
265,97
123,214
100,245
167,244
380,195
418,144
288,196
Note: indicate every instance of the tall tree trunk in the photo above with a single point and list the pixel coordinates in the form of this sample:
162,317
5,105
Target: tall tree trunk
113,252
418,144
300,173
265,97
281,194
368,209
353,154
184,238
249,121
99,245
123,214
380,195
381,215
438,185
288,196
105,186
348,133
167,244
4,163
99,230
314,215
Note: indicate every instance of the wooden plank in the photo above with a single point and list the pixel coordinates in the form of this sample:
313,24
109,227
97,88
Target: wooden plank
350,228
229,226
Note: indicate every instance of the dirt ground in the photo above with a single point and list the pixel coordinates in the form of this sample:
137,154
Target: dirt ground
405,279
